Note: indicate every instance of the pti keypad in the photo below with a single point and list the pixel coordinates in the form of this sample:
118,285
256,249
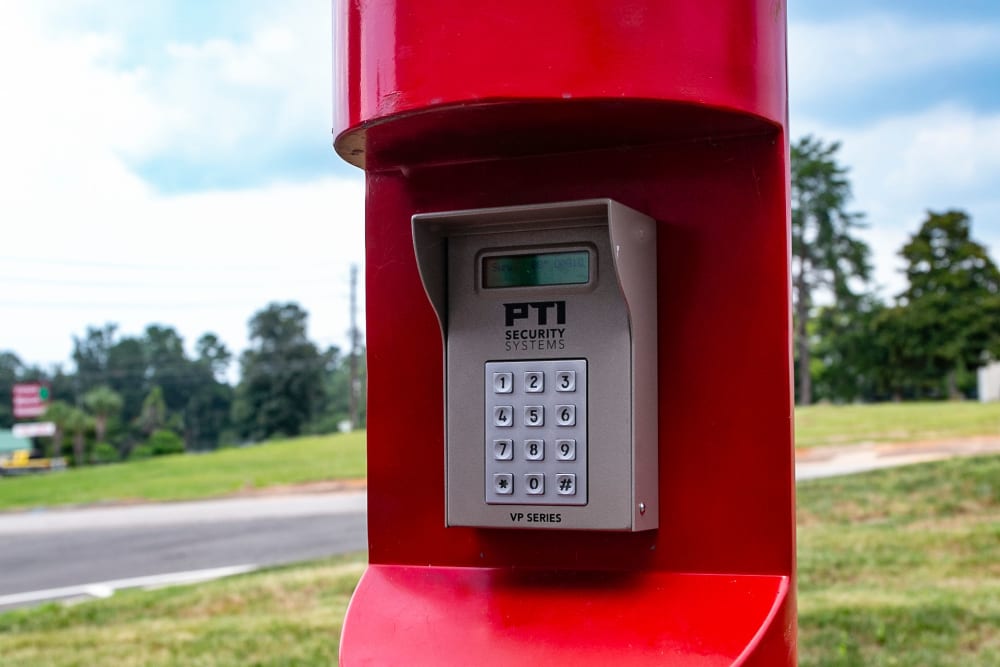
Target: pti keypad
536,432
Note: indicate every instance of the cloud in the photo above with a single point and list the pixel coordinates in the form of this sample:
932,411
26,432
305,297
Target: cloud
946,156
264,93
87,240
832,59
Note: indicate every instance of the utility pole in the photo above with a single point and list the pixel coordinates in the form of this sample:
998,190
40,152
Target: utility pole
354,348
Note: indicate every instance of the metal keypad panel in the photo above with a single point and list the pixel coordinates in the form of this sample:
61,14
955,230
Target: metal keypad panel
536,432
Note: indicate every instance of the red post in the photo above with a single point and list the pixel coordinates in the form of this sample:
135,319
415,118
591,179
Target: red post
676,109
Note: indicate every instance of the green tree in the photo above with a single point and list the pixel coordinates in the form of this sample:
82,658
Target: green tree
208,409
103,403
77,423
825,255
127,375
58,412
90,354
10,372
953,300
167,366
154,411
282,386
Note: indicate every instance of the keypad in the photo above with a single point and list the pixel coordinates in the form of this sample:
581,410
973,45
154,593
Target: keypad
536,432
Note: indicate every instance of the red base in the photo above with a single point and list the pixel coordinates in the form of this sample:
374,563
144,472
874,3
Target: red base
405,615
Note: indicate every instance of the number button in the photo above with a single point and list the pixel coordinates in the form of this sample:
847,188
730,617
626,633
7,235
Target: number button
503,383
566,485
534,450
534,415
503,450
566,415
565,380
503,483
534,382
566,450
535,483
503,416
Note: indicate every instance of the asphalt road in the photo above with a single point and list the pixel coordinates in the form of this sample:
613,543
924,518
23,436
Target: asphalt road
67,554
91,552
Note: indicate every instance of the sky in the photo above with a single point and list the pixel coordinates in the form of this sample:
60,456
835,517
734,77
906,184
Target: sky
170,162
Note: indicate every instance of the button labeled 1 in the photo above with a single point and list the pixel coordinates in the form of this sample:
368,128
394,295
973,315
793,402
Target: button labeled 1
503,383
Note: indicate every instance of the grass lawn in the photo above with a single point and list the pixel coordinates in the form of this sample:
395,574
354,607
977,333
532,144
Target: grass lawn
897,567
901,566
894,422
187,476
333,457
283,616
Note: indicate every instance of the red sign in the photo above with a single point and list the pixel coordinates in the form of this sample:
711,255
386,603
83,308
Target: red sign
30,400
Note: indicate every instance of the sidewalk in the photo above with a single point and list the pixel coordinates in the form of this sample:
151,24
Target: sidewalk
818,462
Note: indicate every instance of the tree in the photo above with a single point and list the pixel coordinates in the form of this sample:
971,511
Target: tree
953,299
282,375
213,353
58,413
154,411
207,413
90,354
77,423
825,255
167,366
103,402
127,375
10,372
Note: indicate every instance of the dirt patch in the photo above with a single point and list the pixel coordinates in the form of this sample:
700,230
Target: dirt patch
942,448
326,486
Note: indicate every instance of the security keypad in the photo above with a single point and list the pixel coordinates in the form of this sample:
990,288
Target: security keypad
536,432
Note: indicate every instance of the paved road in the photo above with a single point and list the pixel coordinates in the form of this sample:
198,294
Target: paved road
66,554
86,552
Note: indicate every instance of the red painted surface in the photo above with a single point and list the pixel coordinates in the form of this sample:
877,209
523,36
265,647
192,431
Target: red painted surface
675,109
543,618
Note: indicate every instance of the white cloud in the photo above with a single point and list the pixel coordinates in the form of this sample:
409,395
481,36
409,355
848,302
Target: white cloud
203,262
934,159
84,240
839,58
223,97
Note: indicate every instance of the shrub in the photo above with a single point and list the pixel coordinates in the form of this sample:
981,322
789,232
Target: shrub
105,453
140,452
164,442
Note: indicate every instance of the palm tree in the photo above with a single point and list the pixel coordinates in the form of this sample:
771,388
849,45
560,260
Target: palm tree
103,402
58,413
77,422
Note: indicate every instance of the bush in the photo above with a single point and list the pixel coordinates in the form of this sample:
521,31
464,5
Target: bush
164,442
105,453
140,452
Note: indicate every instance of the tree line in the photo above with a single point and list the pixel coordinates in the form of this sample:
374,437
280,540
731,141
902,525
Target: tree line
144,395
138,396
850,344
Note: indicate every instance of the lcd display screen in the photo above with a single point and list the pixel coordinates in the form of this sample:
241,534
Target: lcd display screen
537,270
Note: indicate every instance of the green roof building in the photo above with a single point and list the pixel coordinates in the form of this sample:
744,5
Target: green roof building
10,443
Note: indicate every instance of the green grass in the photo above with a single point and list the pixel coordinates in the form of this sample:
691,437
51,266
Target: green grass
283,616
901,566
184,477
894,422
311,459
897,567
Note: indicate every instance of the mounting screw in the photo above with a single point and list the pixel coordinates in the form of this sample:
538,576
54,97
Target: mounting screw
642,508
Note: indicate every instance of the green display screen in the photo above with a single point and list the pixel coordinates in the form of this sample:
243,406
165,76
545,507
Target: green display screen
550,268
